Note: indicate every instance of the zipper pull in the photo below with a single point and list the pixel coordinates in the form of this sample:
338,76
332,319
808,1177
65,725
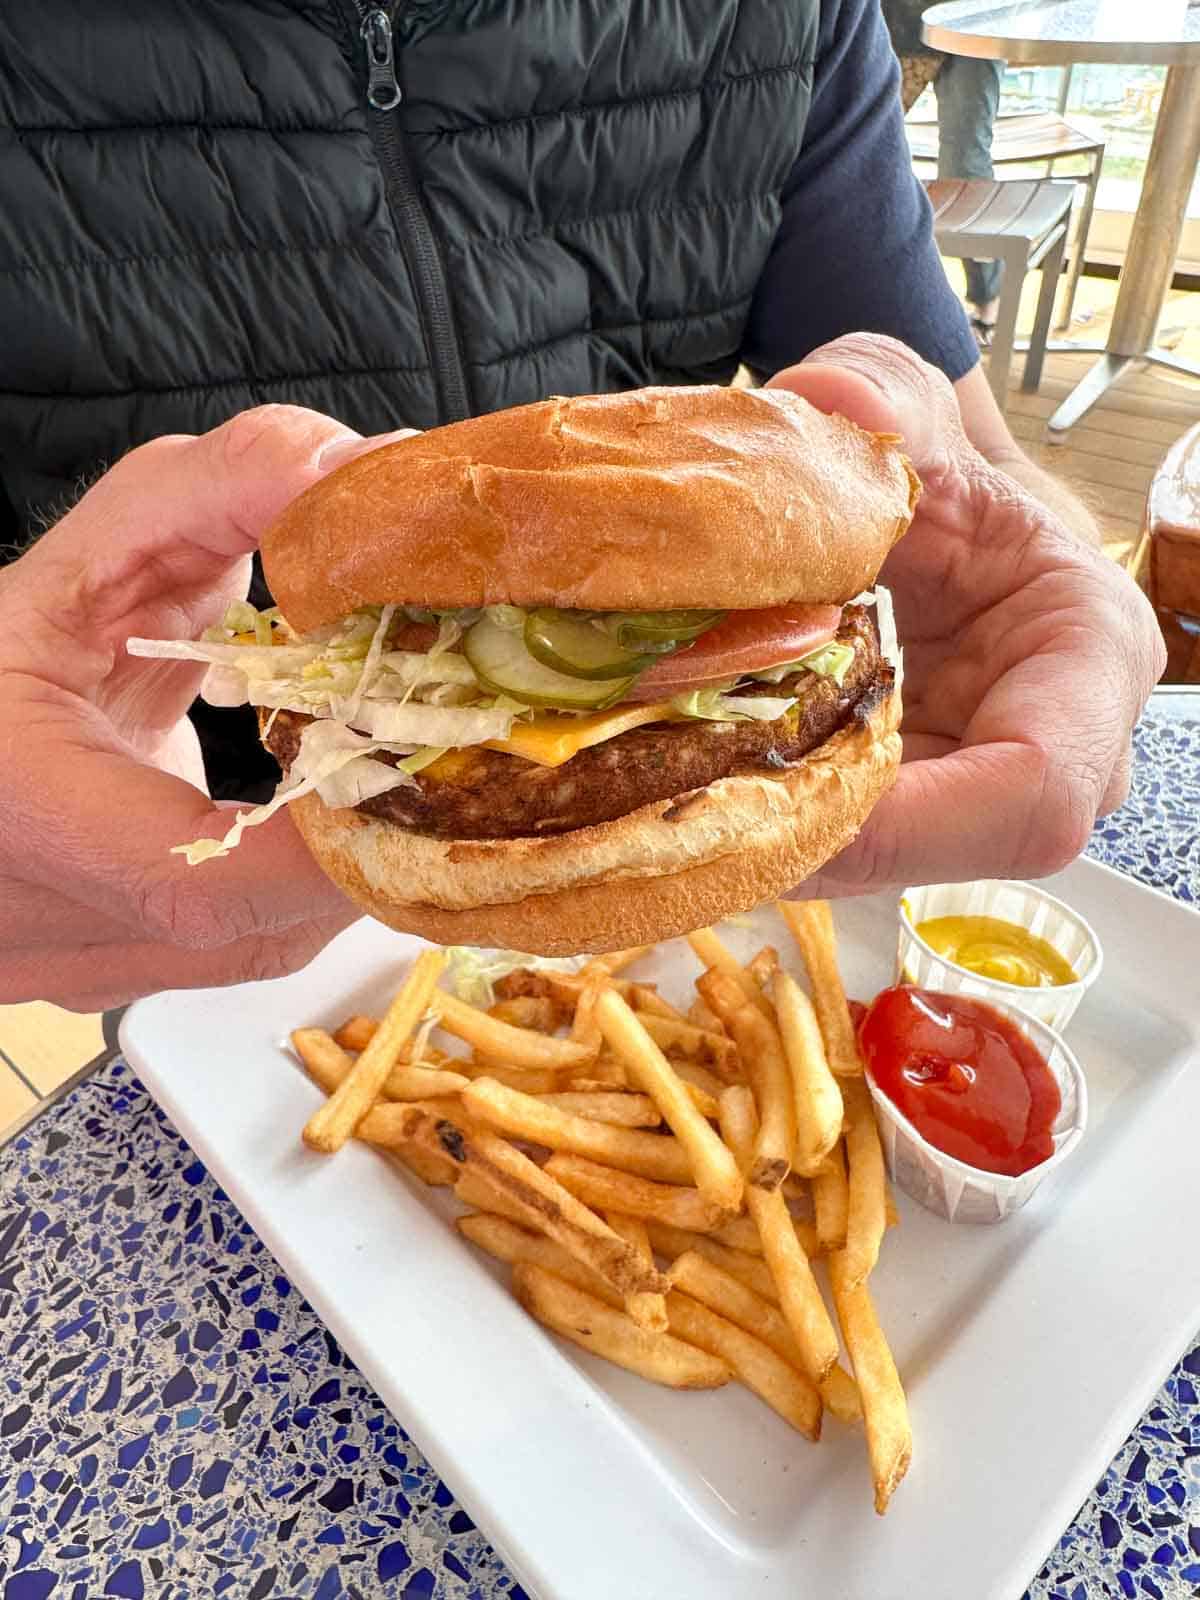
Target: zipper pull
383,92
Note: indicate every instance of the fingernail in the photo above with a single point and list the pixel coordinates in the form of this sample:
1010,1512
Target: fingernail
354,445
342,449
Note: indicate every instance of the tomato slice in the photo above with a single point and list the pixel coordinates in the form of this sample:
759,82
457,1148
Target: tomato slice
745,641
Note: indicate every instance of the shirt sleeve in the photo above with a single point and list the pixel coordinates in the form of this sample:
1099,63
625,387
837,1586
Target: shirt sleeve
855,250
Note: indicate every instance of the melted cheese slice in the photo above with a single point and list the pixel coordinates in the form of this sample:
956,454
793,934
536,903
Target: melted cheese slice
550,738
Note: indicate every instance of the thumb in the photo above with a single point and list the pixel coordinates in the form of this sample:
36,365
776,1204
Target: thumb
884,386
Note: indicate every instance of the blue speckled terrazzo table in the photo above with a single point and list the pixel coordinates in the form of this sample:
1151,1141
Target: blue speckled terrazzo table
176,1423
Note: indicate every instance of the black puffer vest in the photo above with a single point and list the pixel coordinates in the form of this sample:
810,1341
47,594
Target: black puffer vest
207,204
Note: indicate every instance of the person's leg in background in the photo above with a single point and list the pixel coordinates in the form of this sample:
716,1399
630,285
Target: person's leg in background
968,95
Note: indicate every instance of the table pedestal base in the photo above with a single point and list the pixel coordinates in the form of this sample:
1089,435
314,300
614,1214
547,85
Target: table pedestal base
1106,372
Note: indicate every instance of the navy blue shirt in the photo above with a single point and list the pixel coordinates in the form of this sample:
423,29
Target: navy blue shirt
855,248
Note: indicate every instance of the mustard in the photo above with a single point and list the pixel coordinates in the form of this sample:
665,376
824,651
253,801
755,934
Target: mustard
999,950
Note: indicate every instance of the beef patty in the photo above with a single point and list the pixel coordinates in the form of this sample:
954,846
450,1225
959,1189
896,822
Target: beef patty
487,794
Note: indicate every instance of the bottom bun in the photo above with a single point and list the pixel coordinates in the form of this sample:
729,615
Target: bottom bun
661,871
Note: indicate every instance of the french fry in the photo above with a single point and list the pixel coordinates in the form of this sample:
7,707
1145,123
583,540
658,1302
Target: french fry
568,986
328,1064
615,1106
885,1410
472,1191
538,1081
325,1060
545,1203
724,995
703,1016
422,1083
388,1123
818,1100
647,1310
889,1206
714,1169
866,1205
739,1233
673,1242
518,1047
687,1040
811,924
831,1200
605,1071
840,1394
597,1328
799,1295
607,1189
523,1116
332,1124
725,1293
713,954
751,1361
763,966
616,961
732,1298
356,1032
708,1105
646,1000
701,1083
797,1191
765,1064
504,1239
542,1016
432,1167
585,1030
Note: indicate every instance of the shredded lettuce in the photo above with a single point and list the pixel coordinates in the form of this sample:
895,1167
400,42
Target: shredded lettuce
442,725
325,749
831,661
471,973
360,779
267,661
410,666
425,757
346,710
449,633
714,706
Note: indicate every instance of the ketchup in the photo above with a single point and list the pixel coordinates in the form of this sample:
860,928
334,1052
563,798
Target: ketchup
966,1077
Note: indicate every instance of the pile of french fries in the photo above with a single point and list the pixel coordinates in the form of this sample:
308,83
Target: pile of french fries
660,1183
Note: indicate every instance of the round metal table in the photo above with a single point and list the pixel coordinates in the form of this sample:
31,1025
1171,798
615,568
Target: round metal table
1130,32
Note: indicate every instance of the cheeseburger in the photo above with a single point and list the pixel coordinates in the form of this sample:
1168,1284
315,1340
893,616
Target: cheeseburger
580,675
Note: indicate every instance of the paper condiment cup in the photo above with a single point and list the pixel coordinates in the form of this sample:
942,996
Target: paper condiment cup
963,1193
1026,905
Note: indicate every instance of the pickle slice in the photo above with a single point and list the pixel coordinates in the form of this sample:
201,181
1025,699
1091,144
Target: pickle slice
502,664
650,629
573,645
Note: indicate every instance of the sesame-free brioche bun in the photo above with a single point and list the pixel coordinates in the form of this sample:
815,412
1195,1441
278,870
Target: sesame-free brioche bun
654,500
658,872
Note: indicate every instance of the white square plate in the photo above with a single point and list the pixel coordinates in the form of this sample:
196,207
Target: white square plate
1028,1349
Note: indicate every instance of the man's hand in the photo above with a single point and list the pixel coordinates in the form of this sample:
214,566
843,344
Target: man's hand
100,771
1028,655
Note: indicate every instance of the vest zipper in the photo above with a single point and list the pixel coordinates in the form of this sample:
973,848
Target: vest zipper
371,26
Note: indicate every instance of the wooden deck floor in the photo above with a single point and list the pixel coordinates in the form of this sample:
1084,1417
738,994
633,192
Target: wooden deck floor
1108,459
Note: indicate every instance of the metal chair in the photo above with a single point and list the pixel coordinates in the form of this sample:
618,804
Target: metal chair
1023,223
1029,138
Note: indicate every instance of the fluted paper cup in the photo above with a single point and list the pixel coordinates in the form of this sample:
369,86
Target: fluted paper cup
1026,905
963,1193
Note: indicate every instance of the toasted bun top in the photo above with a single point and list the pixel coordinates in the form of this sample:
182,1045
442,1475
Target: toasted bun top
647,501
